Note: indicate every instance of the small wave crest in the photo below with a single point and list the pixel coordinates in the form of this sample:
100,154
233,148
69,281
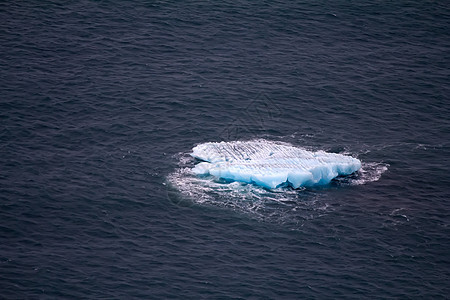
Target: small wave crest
369,172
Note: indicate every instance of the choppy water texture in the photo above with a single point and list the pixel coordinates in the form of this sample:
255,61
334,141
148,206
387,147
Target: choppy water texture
101,102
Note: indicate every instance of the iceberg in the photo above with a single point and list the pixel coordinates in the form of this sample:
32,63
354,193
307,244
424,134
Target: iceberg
271,164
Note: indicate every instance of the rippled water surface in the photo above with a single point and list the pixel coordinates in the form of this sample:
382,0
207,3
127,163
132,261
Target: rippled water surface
102,102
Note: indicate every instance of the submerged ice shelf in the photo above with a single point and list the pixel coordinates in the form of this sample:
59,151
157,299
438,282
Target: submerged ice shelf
271,164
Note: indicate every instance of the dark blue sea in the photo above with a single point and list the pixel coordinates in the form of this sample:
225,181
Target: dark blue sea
101,103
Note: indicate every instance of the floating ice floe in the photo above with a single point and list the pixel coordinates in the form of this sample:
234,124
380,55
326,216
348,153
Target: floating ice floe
271,164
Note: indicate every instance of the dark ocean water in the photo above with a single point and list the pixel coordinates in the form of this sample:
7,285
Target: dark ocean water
101,102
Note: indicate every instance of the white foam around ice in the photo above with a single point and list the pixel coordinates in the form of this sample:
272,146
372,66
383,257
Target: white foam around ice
271,164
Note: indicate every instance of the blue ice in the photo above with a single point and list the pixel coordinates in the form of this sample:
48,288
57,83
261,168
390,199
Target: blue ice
270,164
